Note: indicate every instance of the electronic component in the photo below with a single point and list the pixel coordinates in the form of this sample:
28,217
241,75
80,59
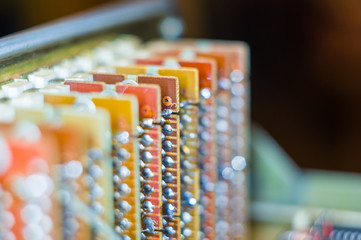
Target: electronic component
159,149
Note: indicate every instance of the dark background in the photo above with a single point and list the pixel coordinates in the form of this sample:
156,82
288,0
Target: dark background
306,65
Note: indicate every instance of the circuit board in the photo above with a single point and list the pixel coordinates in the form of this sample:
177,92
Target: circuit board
136,148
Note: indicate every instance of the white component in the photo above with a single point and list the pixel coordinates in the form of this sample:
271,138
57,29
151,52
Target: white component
16,88
84,63
171,63
41,77
187,54
56,88
7,113
123,62
124,48
25,100
132,77
142,53
65,69
83,77
104,54
152,70
104,69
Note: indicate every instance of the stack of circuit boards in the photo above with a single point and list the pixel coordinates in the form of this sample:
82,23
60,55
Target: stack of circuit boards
127,141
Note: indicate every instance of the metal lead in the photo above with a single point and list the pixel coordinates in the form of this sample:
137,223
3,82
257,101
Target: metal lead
167,129
147,156
125,224
168,145
169,231
149,225
168,193
148,206
123,154
147,173
147,189
169,210
168,161
147,140
168,177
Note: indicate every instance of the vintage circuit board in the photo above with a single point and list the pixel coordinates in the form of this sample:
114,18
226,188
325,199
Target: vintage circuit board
143,144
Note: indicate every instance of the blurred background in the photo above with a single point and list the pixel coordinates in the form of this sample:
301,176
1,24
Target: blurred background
305,95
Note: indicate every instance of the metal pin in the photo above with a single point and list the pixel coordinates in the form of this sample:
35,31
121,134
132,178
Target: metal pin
163,136
206,93
125,237
147,140
147,123
148,206
168,161
124,189
125,224
164,184
186,119
96,191
186,217
168,177
149,225
118,230
95,154
205,122
123,172
116,162
186,164
167,112
185,150
167,129
169,210
186,179
147,189
123,154
163,168
165,223
122,137
141,147
147,173
147,156
162,121
191,202
124,206
139,131
169,231
117,196
168,193
187,232
118,215
163,152
95,171
116,180
97,207
167,145
141,197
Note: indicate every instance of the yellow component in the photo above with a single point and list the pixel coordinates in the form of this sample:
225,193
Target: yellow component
95,126
188,78
124,116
